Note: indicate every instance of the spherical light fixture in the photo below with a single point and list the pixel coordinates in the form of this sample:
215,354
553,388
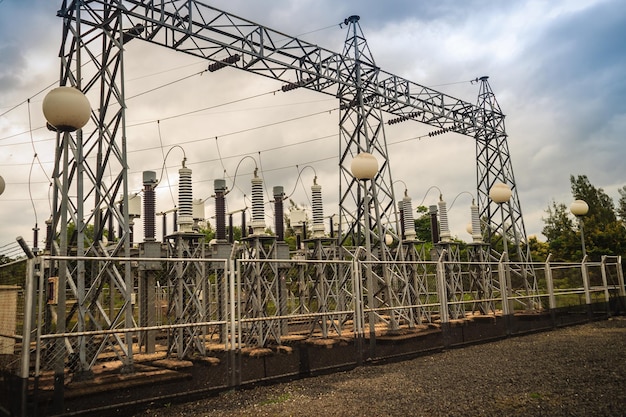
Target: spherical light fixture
388,239
66,109
500,193
579,208
2,185
468,228
364,166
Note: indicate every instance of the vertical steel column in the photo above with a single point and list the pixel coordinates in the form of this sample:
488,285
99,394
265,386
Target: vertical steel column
493,164
362,130
90,170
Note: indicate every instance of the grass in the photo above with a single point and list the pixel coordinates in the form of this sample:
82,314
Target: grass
277,400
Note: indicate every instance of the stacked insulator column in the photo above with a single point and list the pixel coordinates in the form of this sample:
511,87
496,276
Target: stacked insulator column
318,211
220,210
408,222
185,200
258,210
279,222
434,225
149,205
49,235
477,236
443,221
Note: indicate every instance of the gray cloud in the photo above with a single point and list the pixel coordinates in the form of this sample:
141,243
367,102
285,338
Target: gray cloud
556,68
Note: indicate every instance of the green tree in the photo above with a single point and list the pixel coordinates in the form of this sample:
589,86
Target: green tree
422,224
560,233
604,233
208,232
538,250
621,208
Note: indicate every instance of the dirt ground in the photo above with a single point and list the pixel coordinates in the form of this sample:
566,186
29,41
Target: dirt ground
572,371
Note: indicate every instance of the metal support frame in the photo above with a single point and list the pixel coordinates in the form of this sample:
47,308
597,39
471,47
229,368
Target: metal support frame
362,130
188,293
493,164
90,171
365,90
449,254
331,288
91,166
414,287
263,293
482,286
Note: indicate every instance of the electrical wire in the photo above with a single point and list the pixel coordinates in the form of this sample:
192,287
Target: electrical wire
35,157
319,30
237,170
453,83
206,108
299,179
221,158
164,168
166,85
267,194
128,98
164,71
28,99
219,154
237,132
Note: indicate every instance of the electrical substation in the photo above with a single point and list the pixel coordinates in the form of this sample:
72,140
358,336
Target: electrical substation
110,320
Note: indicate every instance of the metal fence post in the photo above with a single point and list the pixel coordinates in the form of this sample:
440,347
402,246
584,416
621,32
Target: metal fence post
503,287
605,285
550,288
441,290
620,277
234,321
550,284
29,299
359,323
585,275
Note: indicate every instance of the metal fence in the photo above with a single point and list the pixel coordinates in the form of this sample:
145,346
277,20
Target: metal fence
197,308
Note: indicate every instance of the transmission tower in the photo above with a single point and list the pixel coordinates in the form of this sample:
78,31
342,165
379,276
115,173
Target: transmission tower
362,130
91,167
493,165
90,172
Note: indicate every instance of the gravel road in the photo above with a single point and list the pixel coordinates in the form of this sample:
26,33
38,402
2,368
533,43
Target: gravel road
573,371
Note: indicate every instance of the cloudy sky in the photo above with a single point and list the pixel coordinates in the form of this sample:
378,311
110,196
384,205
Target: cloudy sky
557,68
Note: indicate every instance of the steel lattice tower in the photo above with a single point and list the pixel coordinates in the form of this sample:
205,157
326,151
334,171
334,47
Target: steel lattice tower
493,164
91,166
90,172
362,130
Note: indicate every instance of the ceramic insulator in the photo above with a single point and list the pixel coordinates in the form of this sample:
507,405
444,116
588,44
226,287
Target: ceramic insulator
476,232
408,220
185,200
258,210
318,211
443,221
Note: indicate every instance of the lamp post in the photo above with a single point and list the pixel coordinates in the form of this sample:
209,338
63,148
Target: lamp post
66,110
364,167
580,208
500,193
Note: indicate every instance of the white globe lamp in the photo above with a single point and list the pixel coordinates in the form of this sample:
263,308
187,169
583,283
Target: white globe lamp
579,208
364,166
66,109
500,193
